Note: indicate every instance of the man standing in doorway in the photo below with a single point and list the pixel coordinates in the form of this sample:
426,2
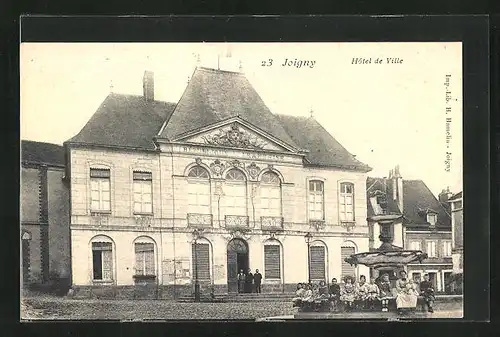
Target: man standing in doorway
249,281
257,279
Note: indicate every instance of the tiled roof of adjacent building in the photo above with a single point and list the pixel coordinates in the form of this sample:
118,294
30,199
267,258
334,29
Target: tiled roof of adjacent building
42,153
215,95
125,121
416,199
324,150
211,96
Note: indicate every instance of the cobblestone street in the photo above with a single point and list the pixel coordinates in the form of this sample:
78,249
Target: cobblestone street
49,307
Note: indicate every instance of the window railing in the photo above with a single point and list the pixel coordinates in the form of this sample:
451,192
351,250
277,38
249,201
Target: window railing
199,220
348,225
99,219
271,222
143,220
317,223
236,221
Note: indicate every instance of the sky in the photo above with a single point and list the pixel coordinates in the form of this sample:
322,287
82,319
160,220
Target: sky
385,113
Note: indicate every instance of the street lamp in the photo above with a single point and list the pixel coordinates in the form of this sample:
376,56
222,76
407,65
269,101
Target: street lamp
196,236
308,238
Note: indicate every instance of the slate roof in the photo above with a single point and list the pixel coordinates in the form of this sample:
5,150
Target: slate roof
324,150
42,153
125,121
417,198
456,196
211,96
215,95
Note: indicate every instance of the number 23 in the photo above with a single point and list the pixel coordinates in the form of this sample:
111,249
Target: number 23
267,63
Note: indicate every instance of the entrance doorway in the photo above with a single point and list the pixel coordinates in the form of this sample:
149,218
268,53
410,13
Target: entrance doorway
237,259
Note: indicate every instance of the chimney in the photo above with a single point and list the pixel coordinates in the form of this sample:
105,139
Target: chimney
397,187
445,195
148,86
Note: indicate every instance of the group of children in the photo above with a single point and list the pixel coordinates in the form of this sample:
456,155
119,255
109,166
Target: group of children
364,294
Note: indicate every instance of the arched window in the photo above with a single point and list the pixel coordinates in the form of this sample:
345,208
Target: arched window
346,200
318,263
200,253
144,248
102,258
198,172
235,193
270,194
199,190
272,260
347,249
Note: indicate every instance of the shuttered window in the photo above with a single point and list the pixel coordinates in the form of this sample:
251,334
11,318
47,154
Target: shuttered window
272,262
102,258
144,259
347,269
317,254
201,261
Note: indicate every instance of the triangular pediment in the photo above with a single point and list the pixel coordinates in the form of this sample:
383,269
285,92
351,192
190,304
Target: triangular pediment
235,133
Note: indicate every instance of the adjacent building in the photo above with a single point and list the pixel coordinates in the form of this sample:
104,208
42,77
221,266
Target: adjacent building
408,213
457,249
163,194
44,205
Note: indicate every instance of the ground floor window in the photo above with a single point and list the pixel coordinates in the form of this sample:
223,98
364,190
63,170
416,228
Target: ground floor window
102,258
272,262
347,269
317,266
144,259
201,261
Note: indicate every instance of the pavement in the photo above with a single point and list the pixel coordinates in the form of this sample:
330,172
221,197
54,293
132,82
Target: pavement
63,308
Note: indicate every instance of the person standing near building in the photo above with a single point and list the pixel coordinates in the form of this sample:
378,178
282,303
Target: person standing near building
249,281
257,280
427,291
241,281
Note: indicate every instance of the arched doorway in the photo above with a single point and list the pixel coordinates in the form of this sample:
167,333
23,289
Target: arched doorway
237,259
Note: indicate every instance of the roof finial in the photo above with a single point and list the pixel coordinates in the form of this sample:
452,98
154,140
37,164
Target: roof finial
111,87
311,112
241,67
198,60
189,79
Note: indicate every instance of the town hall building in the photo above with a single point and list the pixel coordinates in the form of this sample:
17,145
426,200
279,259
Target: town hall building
164,194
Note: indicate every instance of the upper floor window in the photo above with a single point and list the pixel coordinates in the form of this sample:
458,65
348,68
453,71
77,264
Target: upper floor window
235,193
431,248
100,191
457,205
316,200
199,191
198,172
143,192
432,219
415,245
346,202
447,248
270,195
235,175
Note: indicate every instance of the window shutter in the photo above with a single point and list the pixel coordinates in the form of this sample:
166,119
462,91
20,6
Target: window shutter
203,257
107,265
142,176
347,269
272,262
317,263
99,173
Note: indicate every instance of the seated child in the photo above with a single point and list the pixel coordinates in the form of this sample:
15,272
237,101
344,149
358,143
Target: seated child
299,293
373,293
385,291
348,294
334,293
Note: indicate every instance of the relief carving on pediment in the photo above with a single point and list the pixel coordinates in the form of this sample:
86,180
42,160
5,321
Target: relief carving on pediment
234,137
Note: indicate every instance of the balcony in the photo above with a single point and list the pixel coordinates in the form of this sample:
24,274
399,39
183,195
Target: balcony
143,220
317,224
348,225
237,222
99,219
271,222
198,220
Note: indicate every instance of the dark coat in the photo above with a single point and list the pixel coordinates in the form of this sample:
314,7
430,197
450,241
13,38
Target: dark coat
249,278
335,289
257,277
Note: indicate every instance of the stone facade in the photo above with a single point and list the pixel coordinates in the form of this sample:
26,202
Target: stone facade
170,231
